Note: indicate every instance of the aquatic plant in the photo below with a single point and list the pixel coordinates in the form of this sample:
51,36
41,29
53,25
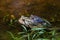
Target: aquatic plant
33,34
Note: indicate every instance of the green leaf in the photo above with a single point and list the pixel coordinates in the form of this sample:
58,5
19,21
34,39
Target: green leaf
5,17
24,36
28,36
53,32
11,34
20,33
47,21
34,35
24,28
34,29
41,32
41,39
